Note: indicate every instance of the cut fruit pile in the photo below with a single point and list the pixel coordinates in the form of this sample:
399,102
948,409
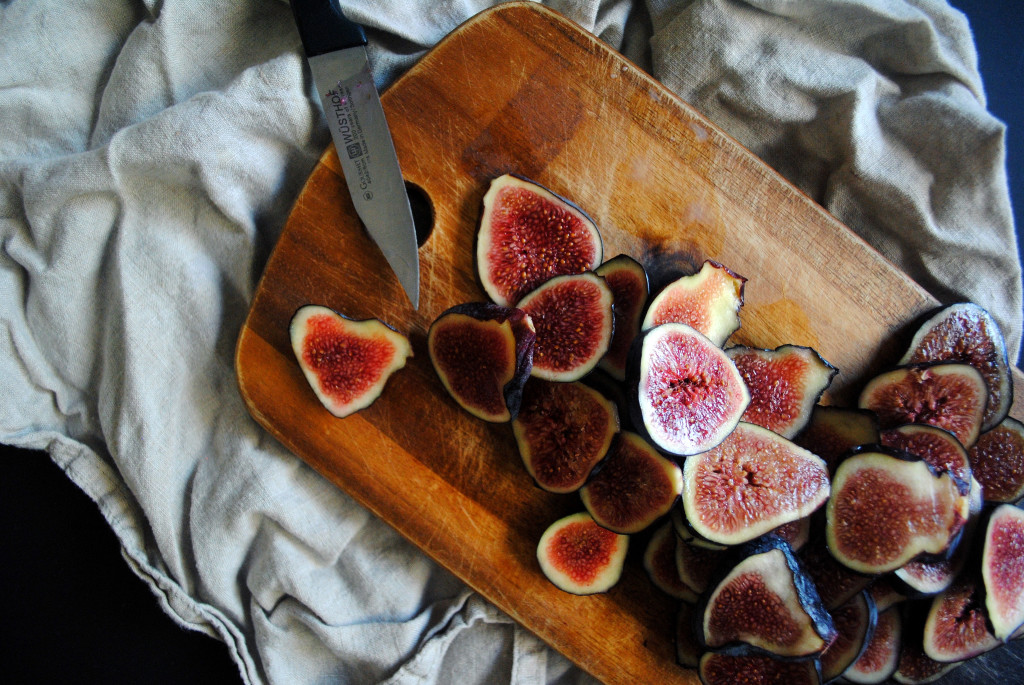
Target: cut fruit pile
803,542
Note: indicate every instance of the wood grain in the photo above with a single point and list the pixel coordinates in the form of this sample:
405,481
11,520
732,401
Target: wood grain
518,88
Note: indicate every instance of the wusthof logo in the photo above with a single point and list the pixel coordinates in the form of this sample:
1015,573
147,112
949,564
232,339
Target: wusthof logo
354,150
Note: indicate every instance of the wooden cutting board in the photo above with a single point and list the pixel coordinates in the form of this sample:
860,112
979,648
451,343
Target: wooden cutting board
519,88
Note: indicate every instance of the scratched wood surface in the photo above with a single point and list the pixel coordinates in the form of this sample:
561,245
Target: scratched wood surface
520,89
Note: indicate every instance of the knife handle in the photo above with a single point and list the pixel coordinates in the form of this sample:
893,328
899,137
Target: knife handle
323,28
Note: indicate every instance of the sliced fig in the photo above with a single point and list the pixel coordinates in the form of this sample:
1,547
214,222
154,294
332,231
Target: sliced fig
967,333
754,481
628,282
785,385
660,564
997,461
708,301
686,533
855,623
887,508
833,431
347,363
696,566
915,667
956,627
757,669
836,583
796,533
483,354
937,446
529,234
886,592
765,601
1002,570
573,319
633,487
581,557
562,431
688,649
685,394
946,394
880,657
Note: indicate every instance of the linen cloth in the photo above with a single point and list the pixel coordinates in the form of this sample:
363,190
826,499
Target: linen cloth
148,163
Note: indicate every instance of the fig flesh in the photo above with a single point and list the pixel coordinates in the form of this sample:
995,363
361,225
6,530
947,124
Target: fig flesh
580,557
632,487
765,601
880,657
347,363
785,385
529,234
628,282
756,669
938,447
885,591
836,583
660,564
562,431
483,354
696,566
1002,570
686,396
855,623
967,333
754,481
708,301
887,508
916,667
997,461
574,322
956,627
833,432
688,649
948,395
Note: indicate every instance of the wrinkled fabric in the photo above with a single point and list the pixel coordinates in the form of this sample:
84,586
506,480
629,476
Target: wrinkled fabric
147,166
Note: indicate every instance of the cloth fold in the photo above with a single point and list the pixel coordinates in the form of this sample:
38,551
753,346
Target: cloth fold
146,170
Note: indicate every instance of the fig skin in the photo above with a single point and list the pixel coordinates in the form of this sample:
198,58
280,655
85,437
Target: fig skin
833,432
1002,570
483,354
997,461
685,394
630,289
967,333
708,301
751,483
785,384
574,319
580,557
836,583
948,395
347,363
529,234
855,623
660,564
937,446
880,657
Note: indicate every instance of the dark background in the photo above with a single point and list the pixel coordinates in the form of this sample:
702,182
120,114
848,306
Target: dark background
72,610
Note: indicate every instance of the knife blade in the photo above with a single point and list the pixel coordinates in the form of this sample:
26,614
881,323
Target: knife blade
335,49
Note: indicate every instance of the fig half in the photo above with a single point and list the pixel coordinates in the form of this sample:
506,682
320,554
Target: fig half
880,657
580,557
997,461
754,481
708,301
956,627
347,363
757,669
1002,570
660,564
483,354
833,432
628,282
529,234
685,393
784,384
573,318
855,624
937,446
967,333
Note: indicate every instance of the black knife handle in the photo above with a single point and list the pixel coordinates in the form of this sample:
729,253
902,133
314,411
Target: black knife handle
323,28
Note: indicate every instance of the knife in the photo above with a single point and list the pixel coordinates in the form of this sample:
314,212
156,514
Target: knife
336,52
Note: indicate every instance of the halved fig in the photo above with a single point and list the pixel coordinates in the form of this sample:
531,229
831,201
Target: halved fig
765,601
944,394
1002,570
836,583
997,461
956,627
937,446
685,394
886,592
529,234
915,667
686,532
581,557
660,564
562,431
785,385
573,319
967,333
688,649
483,354
628,282
855,623
796,533
347,363
887,508
833,431
696,566
632,487
708,301
754,481
757,669
880,657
